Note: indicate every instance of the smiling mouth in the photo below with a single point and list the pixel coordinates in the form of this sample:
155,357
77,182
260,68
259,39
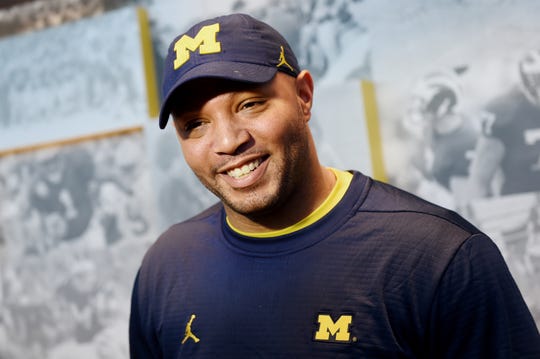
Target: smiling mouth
246,169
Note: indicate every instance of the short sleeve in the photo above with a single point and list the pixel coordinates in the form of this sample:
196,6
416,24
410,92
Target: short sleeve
479,311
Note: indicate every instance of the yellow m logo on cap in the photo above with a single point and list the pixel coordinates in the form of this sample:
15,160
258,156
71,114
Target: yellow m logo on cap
205,41
337,331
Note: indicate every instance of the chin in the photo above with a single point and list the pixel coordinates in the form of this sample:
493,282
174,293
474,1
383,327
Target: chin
253,204
251,208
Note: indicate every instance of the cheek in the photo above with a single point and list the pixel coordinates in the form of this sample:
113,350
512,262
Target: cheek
281,126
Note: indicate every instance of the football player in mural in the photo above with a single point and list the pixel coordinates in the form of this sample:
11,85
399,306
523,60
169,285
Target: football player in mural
61,193
329,39
443,135
507,158
300,260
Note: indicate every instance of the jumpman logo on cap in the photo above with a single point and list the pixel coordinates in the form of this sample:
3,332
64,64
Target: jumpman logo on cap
282,60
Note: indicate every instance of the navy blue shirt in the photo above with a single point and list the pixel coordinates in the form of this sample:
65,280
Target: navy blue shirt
383,275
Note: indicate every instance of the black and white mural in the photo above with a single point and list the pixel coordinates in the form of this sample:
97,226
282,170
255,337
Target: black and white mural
72,80
75,221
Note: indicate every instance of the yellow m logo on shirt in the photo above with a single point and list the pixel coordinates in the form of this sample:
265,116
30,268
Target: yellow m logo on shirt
337,331
205,41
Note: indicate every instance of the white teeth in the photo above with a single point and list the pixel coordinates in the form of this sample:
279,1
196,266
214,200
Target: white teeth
244,170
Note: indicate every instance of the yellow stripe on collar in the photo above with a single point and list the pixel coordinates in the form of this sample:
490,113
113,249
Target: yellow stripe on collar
343,180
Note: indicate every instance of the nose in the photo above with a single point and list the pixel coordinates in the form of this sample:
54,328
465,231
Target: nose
231,137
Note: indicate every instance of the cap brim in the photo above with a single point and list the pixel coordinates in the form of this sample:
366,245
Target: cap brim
234,71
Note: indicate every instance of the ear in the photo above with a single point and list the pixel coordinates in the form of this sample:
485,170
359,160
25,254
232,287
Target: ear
304,91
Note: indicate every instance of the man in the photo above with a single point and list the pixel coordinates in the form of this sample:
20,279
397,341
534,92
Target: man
299,260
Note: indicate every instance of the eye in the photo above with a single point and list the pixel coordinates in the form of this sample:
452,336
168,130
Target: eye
190,128
192,125
251,104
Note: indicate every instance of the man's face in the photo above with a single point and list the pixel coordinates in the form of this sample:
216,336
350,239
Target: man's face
248,144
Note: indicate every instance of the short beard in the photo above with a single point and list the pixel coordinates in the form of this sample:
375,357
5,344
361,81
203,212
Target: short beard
255,205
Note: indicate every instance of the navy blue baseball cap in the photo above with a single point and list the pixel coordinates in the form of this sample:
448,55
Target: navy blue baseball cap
235,47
